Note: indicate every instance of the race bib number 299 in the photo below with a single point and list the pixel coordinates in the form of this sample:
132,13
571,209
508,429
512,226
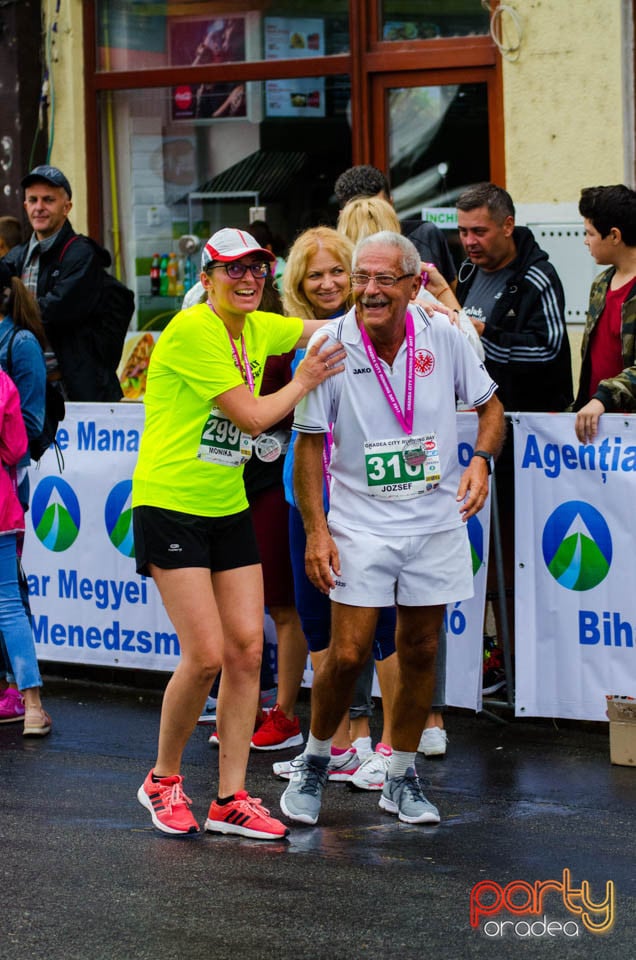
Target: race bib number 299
223,442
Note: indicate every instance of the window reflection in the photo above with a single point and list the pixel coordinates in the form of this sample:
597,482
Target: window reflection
137,34
431,19
438,144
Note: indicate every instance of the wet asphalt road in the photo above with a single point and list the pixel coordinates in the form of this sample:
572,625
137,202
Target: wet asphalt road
86,877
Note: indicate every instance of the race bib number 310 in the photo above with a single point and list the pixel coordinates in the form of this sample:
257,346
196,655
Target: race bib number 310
223,442
391,477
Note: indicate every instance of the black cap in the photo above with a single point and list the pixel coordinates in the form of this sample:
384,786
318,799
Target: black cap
49,175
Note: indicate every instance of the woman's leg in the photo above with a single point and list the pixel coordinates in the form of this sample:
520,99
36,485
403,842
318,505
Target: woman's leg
15,626
188,597
292,656
239,597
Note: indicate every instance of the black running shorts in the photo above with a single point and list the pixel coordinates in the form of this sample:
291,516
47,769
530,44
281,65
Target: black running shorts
172,540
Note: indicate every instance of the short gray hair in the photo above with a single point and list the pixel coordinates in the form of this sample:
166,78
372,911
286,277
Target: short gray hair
410,257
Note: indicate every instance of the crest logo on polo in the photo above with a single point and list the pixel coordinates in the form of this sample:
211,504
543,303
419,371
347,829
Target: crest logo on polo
55,514
577,545
118,518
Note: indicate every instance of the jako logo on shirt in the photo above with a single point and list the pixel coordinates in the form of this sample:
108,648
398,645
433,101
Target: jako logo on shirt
55,514
424,363
577,545
118,518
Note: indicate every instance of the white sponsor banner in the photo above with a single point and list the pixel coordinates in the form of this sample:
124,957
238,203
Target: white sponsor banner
575,611
89,605
465,620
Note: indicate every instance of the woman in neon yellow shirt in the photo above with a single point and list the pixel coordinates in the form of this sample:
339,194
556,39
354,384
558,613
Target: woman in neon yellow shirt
193,532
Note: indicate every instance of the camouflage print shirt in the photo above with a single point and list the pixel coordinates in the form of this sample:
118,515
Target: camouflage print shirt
619,392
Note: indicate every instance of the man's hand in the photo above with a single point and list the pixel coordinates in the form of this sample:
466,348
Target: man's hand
479,325
586,423
322,560
473,488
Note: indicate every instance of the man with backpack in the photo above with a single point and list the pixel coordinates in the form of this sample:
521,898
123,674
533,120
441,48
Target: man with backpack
84,310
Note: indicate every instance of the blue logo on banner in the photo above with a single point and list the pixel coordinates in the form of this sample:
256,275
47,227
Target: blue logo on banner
55,514
577,546
476,538
118,518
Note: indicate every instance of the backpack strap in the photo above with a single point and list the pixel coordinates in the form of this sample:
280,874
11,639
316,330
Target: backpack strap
66,246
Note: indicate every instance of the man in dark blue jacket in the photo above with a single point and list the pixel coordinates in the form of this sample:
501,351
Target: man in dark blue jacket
514,297
65,273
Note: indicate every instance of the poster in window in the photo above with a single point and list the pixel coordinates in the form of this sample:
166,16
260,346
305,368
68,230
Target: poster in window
294,38
196,41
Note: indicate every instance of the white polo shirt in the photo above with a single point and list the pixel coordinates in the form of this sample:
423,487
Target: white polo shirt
373,487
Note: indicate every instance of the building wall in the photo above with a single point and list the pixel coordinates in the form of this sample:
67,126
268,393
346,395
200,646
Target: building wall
568,98
66,68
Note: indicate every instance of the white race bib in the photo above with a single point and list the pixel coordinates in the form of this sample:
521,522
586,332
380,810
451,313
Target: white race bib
223,442
389,475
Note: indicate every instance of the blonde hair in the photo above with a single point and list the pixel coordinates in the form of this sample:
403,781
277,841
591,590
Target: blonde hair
364,216
306,246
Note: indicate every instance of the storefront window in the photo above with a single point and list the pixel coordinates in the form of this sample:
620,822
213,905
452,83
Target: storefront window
139,34
182,174
430,19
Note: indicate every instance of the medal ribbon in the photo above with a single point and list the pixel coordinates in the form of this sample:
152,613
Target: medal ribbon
245,368
405,419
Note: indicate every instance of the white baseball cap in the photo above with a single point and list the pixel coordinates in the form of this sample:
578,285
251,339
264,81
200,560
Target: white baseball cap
231,244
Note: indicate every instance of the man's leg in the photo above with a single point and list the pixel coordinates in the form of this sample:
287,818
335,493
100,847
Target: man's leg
352,630
416,640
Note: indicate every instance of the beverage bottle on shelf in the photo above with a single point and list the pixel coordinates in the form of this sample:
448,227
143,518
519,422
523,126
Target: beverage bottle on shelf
173,274
179,292
188,275
155,275
163,275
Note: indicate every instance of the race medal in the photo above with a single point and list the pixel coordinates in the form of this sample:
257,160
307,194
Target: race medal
413,452
222,442
267,448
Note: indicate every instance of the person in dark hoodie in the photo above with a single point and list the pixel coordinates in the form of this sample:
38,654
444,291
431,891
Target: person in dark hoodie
64,271
514,297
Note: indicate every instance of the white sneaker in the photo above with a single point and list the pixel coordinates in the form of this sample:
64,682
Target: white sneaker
372,772
433,742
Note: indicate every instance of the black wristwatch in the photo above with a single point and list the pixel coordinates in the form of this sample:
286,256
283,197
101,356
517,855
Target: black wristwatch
487,457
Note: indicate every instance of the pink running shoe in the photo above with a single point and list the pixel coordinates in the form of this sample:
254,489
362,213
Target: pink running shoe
244,816
168,805
11,706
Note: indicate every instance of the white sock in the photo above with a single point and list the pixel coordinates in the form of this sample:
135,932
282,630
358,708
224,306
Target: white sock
364,747
400,762
318,748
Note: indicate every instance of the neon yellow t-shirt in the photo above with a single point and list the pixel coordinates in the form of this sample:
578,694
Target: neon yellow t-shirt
192,363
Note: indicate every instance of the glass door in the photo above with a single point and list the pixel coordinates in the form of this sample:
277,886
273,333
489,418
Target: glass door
433,138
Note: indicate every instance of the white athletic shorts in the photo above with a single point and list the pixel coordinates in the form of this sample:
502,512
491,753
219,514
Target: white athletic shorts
419,571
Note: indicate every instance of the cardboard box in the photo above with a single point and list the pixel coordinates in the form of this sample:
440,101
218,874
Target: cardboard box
622,717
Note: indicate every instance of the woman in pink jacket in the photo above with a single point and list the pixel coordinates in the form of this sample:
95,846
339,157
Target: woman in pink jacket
17,637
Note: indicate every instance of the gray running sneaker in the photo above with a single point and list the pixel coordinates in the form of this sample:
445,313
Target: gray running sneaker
403,795
301,800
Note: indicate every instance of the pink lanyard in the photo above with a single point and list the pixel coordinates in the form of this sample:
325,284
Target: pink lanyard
246,369
404,419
